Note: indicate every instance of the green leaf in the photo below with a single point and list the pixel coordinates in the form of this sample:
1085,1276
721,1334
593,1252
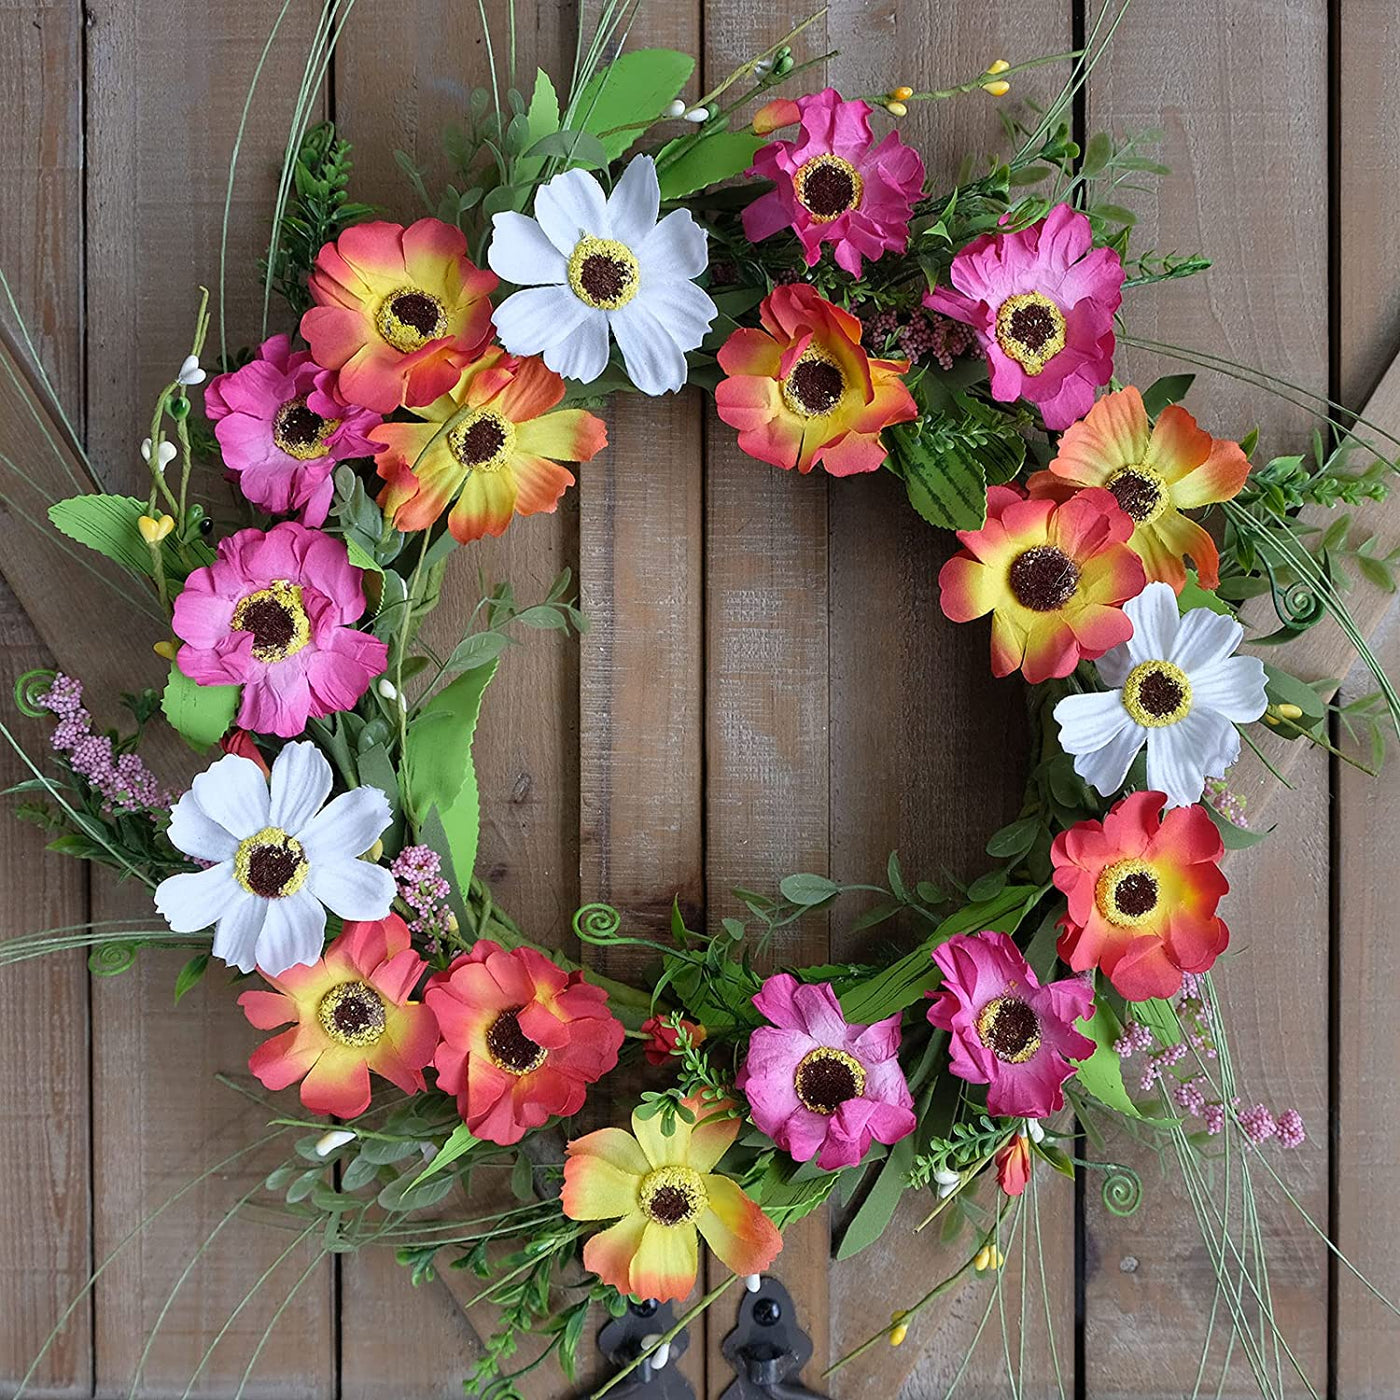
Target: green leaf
1236,838
1282,688
108,525
1012,842
634,87
1169,389
1194,596
457,1145
201,714
808,889
190,975
577,147
948,487
708,161
1102,1073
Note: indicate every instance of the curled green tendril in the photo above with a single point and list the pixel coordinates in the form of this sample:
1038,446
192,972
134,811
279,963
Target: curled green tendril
597,923
1298,605
111,959
29,687
1122,1190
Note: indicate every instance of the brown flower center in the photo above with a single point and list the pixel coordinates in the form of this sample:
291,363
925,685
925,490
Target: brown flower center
672,1195
509,1047
300,432
1127,892
815,386
270,864
1043,578
827,187
1009,1029
483,441
1157,694
603,273
276,618
353,1013
409,318
1140,492
1031,329
826,1078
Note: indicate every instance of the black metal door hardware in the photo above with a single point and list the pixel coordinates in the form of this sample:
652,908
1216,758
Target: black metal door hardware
767,1349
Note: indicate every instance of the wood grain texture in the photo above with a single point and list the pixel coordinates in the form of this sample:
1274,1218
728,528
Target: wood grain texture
1238,142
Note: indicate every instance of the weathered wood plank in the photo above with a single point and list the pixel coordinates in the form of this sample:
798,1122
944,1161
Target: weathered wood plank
164,87
1238,143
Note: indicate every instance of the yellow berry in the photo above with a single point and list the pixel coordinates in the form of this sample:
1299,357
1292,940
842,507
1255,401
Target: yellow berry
167,649
896,109
982,1258
997,89
998,65
898,1333
154,530
902,94
1287,711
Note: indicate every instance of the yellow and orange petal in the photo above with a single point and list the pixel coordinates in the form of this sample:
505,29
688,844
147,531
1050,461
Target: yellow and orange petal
802,391
1155,472
1053,576
500,456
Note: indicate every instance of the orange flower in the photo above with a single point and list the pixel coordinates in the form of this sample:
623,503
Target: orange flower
496,460
1013,1163
1156,473
802,391
661,1191
353,1014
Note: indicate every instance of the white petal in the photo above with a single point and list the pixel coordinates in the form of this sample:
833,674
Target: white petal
1202,638
233,792
345,828
539,318
635,202
583,353
193,902
1113,666
570,206
236,938
1234,687
1181,756
1155,618
354,889
677,245
655,363
197,834
301,782
294,932
1105,769
1088,722
521,253
681,307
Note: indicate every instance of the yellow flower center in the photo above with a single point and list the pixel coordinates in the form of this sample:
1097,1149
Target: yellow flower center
1127,893
672,1195
408,318
270,864
276,618
509,1048
483,440
1031,329
1009,1029
827,187
353,1013
603,273
1043,579
825,1078
815,386
1140,491
1157,694
300,433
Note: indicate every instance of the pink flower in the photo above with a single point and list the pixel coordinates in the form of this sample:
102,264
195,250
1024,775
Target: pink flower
1041,302
282,428
818,1086
834,185
273,614
1008,1031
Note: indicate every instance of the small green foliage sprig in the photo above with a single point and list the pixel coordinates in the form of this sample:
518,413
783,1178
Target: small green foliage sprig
968,1146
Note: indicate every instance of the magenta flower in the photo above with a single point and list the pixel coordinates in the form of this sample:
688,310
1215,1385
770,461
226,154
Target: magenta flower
834,185
282,428
1008,1031
273,614
1041,302
818,1085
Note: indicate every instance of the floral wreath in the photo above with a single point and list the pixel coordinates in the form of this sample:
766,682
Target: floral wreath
434,382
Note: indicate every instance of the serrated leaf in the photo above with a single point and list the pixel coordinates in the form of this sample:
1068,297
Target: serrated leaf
106,524
200,714
635,87
1101,1075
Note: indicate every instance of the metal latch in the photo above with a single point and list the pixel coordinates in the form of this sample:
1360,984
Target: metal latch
623,1339
767,1348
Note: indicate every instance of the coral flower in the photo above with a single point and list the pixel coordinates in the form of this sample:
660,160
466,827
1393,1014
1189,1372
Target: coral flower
399,312
1155,473
273,614
661,1190
352,1014
282,427
663,1038
1008,1031
1142,892
1013,1164
499,459
802,391
521,1039
833,184
1041,301
1054,578
819,1086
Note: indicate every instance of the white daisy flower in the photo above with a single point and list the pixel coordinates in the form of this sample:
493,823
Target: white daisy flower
1177,687
591,265
279,853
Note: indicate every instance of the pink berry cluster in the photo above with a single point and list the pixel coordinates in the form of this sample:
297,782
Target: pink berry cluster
1229,804
418,871
923,335
122,780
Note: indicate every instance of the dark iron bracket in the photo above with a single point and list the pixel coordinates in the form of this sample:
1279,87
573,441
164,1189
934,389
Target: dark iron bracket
767,1349
623,1339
